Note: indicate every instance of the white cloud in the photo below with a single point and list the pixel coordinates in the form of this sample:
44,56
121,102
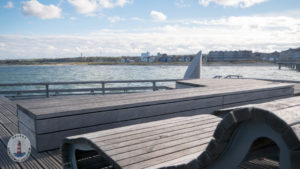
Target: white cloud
2,46
234,3
113,4
158,16
257,33
9,5
33,7
137,19
114,19
50,47
73,18
84,6
90,6
122,3
182,3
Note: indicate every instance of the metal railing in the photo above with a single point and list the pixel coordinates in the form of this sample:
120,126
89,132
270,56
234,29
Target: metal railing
46,89
228,77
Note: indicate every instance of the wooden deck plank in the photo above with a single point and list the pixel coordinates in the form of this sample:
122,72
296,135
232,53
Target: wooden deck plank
151,147
167,157
36,160
58,136
236,98
5,161
118,150
156,126
56,154
30,162
42,159
163,152
274,105
12,117
205,82
4,119
148,96
47,111
205,128
152,121
297,89
117,115
135,155
290,115
117,138
255,101
12,106
47,122
180,160
169,120
52,159
48,102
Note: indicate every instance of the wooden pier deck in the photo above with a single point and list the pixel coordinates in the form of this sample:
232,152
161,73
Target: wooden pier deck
52,159
9,127
175,142
56,118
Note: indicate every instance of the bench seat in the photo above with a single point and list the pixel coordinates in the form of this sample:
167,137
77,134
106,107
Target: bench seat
56,118
267,130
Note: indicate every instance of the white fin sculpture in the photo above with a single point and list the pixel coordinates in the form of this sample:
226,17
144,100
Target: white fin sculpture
194,69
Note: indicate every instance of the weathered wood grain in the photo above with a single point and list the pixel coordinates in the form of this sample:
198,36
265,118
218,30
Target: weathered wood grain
93,104
161,144
67,100
36,160
57,137
64,117
251,96
118,115
167,157
174,162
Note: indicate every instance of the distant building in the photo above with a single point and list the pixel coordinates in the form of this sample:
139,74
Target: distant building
151,59
123,60
127,60
291,54
169,59
163,57
159,54
147,54
229,56
181,59
187,59
144,59
137,59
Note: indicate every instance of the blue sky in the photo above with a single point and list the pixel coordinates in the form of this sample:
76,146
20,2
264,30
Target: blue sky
65,28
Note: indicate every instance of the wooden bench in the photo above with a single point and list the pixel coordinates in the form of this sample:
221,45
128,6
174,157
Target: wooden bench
56,118
269,130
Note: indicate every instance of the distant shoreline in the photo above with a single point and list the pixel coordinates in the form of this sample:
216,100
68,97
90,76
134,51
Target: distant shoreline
142,64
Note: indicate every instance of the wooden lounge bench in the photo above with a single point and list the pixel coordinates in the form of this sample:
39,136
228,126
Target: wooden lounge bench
56,118
268,130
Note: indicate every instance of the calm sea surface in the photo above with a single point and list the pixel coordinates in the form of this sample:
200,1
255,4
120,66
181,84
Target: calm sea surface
18,74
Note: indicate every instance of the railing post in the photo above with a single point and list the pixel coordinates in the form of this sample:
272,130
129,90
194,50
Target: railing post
47,90
103,88
154,86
